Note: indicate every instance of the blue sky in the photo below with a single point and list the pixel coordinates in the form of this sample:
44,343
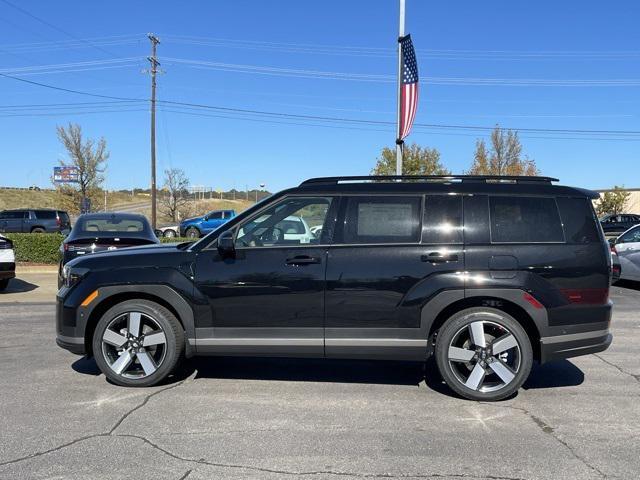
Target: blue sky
264,56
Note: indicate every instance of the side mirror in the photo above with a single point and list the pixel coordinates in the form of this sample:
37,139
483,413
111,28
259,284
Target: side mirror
226,246
612,241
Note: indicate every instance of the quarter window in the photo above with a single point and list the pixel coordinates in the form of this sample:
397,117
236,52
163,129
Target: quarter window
631,236
578,220
294,221
382,220
442,219
525,219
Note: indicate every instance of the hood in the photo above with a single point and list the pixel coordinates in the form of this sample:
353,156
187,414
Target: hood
128,256
193,219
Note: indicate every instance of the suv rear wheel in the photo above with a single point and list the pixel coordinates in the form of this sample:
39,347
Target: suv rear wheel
138,343
37,230
483,354
192,232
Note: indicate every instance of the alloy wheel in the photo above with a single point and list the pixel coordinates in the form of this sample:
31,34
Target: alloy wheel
484,356
134,345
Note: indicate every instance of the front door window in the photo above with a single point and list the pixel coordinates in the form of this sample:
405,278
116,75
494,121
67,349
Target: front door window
296,221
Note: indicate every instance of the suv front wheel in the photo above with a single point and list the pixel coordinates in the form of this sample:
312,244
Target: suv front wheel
483,354
138,343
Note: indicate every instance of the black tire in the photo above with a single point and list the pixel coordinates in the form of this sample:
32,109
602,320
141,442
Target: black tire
4,284
192,232
37,230
486,368
173,348
169,234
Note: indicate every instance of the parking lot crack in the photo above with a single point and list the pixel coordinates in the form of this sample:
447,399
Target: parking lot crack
54,449
142,404
620,369
203,461
551,431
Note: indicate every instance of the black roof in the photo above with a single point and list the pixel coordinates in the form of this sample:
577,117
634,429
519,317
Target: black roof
479,184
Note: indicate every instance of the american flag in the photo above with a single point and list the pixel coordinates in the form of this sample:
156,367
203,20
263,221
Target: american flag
408,87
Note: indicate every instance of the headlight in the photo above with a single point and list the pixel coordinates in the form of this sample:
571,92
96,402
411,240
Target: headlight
71,276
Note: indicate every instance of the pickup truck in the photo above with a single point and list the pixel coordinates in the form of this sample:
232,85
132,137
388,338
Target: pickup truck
199,226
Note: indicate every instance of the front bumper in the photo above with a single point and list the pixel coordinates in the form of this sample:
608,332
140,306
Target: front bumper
68,333
574,345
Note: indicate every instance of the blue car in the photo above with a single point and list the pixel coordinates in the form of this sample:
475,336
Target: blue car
199,226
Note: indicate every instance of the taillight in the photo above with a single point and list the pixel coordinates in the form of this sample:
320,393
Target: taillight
586,296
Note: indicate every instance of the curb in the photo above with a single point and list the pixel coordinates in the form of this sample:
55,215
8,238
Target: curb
36,269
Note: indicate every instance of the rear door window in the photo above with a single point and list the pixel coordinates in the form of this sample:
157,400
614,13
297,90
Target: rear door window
45,214
384,219
524,220
578,220
442,223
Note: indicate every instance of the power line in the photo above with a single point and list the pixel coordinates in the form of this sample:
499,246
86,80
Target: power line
328,118
50,25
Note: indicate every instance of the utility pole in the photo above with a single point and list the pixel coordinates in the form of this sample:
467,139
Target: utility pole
153,60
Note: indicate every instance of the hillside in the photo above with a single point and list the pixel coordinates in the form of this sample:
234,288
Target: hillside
116,201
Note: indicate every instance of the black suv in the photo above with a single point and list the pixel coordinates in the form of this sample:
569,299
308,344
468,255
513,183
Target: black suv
616,224
488,274
31,220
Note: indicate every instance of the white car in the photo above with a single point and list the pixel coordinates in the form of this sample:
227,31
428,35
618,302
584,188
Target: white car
291,228
7,262
627,247
170,231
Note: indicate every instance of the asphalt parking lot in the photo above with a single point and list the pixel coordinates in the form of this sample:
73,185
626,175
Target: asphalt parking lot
263,418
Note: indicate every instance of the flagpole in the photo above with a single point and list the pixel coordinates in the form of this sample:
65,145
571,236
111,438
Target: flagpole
398,141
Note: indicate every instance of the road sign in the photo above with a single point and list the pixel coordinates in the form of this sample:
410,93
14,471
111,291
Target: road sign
66,174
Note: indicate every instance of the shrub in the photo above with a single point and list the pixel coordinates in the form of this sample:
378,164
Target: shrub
36,247
176,240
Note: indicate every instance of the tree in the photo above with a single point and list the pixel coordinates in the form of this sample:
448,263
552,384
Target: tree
505,157
614,201
174,201
416,161
89,158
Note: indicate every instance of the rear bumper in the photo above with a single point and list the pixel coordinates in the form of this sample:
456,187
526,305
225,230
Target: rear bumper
574,345
7,270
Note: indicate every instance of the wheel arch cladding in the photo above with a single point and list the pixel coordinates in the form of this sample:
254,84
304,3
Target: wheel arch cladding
519,313
160,294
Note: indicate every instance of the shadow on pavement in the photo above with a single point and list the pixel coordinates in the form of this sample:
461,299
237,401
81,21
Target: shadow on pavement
86,366
17,285
631,285
562,373
552,375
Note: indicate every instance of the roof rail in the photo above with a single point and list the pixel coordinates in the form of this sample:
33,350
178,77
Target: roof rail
429,178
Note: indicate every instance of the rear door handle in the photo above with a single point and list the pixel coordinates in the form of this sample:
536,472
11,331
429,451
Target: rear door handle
302,260
439,257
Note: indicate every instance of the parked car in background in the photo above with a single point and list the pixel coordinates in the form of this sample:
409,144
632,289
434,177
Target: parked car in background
485,276
31,220
616,224
627,249
169,232
101,232
199,226
7,262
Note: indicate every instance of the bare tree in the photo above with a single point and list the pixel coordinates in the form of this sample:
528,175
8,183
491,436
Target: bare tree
89,158
175,198
505,157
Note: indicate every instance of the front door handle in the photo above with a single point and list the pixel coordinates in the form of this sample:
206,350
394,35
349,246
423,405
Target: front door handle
302,260
439,257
